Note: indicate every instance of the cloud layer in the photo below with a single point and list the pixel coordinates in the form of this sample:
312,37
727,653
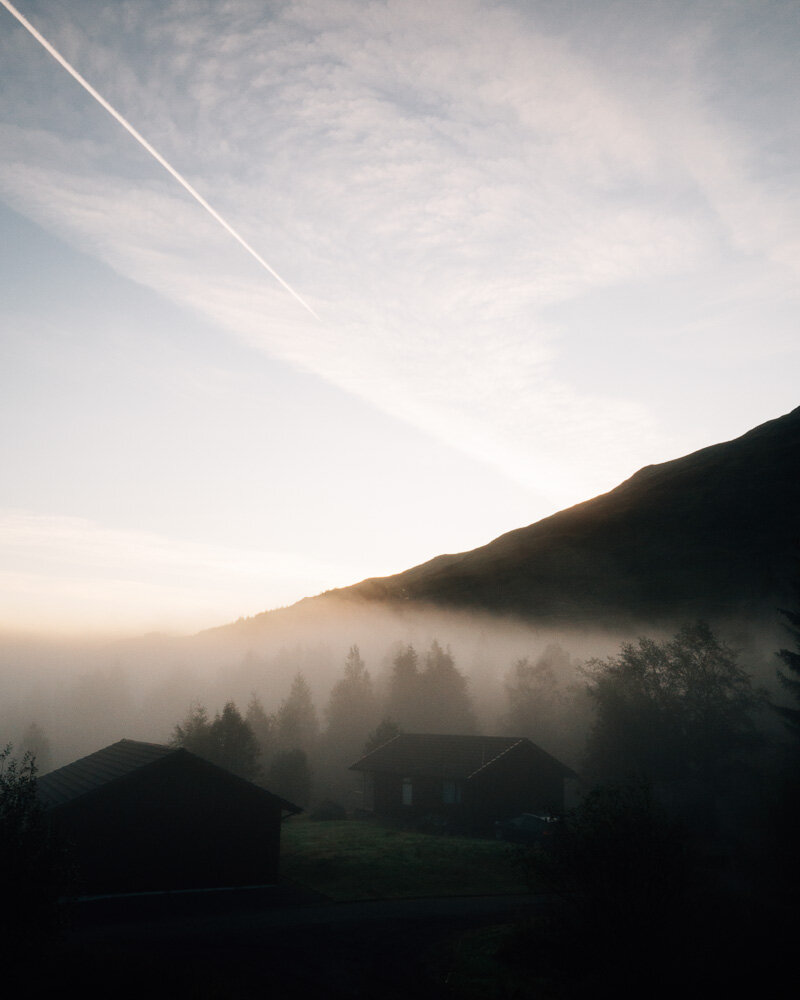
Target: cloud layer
542,234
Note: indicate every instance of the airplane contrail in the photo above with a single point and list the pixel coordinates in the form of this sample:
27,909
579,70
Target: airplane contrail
153,152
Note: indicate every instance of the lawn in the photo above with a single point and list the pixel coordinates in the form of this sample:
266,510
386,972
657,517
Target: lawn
360,859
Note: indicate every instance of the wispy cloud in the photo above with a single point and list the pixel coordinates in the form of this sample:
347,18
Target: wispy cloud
439,177
71,573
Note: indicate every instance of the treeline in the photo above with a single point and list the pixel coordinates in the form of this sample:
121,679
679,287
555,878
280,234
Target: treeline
690,820
681,713
303,754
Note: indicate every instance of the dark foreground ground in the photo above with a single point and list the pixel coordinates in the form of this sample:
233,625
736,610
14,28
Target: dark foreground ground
285,942
280,942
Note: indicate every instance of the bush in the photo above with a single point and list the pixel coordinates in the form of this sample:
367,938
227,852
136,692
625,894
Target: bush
619,872
35,873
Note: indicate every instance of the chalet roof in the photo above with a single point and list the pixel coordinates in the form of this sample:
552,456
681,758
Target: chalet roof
112,763
88,773
449,756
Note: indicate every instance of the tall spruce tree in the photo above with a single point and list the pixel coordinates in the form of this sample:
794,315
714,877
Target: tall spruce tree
350,712
264,729
227,741
405,695
297,722
234,744
446,705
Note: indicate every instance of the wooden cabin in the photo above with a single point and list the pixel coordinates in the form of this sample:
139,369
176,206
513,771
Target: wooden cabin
461,782
144,817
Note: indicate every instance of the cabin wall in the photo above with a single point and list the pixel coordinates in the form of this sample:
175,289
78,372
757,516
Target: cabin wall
514,784
520,781
427,798
175,824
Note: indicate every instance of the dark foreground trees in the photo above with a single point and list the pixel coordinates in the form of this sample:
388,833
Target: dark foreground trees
35,873
672,710
632,909
791,681
616,860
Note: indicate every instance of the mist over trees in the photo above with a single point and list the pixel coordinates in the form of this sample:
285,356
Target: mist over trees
35,745
264,727
297,722
321,703
228,741
790,682
302,758
677,709
681,712
386,730
540,705
433,699
289,775
351,709
681,772
404,686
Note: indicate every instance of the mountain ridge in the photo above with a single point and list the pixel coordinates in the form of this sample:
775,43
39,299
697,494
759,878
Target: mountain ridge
711,533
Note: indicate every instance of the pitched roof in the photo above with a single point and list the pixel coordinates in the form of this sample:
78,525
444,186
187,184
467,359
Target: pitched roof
114,762
447,756
88,773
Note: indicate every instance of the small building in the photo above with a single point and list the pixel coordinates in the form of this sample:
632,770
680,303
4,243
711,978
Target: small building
144,817
463,782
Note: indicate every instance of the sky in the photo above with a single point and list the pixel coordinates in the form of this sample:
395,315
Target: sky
530,247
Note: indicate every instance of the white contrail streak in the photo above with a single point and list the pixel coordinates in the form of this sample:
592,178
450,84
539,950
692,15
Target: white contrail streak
153,152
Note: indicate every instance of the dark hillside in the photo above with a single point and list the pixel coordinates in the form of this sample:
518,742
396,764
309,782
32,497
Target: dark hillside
712,533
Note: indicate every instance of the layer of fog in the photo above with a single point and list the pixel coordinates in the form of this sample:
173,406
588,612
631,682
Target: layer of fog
85,695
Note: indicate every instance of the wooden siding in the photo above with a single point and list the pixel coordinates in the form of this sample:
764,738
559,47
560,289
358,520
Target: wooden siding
179,823
520,778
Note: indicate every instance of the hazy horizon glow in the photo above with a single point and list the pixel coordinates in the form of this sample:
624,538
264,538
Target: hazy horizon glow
550,243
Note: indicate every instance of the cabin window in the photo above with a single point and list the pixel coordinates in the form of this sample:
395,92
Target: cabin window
451,793
408,792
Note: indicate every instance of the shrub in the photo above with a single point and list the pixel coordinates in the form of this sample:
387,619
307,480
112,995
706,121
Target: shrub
35,873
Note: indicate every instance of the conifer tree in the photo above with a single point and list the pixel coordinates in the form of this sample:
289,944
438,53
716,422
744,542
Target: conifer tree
264,728
350,711
535,698
227,741
297,722
446,706
234,746
386,730
404,688
194,733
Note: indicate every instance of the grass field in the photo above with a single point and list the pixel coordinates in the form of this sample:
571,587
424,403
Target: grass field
359,859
